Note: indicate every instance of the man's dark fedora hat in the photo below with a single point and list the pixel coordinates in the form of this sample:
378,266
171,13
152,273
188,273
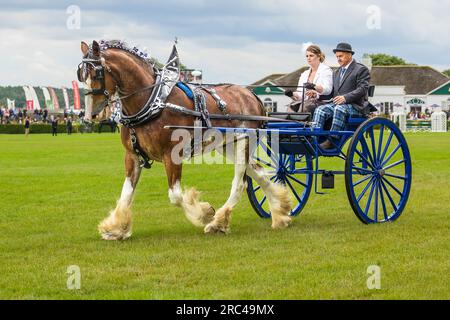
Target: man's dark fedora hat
344,47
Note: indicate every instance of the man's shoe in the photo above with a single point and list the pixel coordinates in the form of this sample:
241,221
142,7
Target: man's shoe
327,144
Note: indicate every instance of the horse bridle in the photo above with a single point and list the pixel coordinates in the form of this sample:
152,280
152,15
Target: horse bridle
99,69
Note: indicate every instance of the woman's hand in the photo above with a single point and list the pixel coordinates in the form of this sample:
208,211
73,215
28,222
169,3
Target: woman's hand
311,94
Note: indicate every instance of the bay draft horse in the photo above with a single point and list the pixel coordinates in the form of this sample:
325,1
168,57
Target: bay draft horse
125,74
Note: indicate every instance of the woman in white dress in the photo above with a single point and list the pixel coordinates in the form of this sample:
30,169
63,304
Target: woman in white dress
317,82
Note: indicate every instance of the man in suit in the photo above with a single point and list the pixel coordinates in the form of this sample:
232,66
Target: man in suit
350,88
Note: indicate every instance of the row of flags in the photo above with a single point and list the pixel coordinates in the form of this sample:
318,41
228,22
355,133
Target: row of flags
51,100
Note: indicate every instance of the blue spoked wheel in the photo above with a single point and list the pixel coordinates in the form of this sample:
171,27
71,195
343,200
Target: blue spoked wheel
294,171
378,171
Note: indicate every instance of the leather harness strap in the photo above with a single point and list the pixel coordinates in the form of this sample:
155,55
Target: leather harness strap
144,159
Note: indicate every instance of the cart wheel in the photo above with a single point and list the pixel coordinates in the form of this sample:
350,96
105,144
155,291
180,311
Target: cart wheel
294,171
378,171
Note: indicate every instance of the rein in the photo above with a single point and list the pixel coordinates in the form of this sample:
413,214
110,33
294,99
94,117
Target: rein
135,92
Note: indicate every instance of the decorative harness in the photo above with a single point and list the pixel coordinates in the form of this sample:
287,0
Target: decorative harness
166,79
164,83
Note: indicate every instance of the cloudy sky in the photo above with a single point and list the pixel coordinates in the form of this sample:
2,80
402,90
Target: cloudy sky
238,41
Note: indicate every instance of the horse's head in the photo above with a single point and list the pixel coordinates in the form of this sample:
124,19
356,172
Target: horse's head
100,85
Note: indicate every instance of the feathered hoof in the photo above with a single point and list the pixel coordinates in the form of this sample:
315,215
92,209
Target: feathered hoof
221,222
111,236
214,228
207,213
281,222
108,231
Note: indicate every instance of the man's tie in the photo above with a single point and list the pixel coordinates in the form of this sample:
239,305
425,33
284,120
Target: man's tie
342,74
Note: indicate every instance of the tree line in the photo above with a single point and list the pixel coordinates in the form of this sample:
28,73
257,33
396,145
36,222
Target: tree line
381,59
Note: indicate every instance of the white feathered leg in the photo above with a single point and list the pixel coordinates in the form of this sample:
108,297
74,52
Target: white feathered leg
221,222
280,202
117,226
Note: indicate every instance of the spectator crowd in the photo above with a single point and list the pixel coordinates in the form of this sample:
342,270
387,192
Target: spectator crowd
11,116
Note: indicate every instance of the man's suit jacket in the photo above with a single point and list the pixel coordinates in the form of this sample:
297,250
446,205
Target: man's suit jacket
354,85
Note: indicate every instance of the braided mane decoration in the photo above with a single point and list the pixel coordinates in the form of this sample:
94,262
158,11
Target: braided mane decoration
122,45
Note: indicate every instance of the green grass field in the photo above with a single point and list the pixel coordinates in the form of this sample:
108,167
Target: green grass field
55,190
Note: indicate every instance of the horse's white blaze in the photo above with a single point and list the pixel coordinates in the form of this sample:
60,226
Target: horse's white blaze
175,194
88,100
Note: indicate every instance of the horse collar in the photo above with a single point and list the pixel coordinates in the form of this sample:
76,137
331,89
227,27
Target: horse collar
164,83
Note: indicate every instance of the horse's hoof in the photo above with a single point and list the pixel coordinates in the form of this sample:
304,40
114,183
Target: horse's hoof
281,222
208,213
212,228
110,236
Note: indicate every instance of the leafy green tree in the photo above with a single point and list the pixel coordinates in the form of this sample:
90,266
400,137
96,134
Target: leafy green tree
381,59
446,72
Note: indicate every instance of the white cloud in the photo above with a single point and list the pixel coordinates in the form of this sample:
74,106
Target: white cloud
233,41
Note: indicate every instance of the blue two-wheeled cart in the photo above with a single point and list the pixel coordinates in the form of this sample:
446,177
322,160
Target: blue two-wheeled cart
377,164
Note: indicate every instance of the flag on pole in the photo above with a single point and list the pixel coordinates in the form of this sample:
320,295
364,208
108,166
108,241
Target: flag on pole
36,103
30,105
47,98
28,95
66,97
76,96
54,98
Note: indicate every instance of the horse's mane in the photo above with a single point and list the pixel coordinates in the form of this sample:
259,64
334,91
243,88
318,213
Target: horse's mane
122,45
